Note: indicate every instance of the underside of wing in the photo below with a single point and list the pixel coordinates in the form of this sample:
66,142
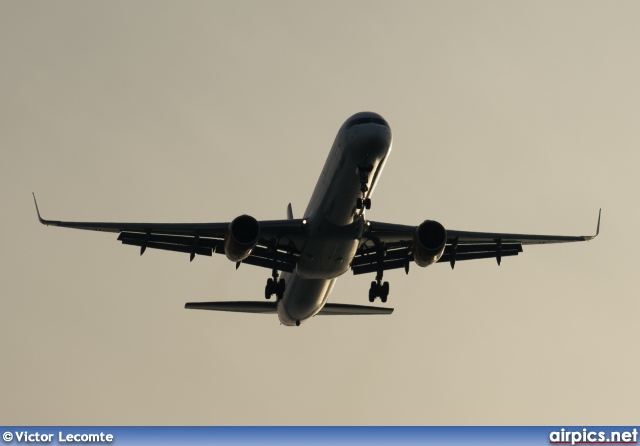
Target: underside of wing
388,246
401,257
276,243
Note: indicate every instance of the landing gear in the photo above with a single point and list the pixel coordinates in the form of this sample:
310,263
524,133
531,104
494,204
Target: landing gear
363,202
268,290
379,289
274,286
363,171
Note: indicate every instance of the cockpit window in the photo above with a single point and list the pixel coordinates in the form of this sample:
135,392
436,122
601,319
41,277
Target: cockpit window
368,120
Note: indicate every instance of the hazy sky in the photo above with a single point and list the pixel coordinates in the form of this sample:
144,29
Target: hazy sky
507,116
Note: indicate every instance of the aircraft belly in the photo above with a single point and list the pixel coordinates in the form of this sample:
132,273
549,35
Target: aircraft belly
303,299
326,258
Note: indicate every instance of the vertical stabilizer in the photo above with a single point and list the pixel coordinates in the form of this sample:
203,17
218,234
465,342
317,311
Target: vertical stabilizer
289,212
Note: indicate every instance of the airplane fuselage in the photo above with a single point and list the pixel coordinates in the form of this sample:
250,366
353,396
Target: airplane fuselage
334,223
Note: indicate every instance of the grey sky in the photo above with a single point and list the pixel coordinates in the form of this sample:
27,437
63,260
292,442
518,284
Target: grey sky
507,116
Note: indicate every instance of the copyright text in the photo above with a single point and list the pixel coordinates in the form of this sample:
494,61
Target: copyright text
25,437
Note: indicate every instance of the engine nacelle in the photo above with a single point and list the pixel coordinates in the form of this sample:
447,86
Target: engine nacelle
428,243
241,238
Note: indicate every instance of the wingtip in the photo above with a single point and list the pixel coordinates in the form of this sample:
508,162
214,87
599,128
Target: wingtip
37,210
42,220
591,237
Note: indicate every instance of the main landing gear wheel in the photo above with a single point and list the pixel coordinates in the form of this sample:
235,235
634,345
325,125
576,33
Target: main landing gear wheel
380,290
268,290
274,286
372,292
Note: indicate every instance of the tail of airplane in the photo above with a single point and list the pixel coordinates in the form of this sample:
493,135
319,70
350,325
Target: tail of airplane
272,308
289,212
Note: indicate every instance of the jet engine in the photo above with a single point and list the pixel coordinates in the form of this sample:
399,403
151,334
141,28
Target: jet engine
428,243
241,238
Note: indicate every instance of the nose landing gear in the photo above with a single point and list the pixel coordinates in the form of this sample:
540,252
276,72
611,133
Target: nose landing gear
363,202
363,171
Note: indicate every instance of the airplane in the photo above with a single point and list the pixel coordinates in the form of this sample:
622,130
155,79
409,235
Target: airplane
306,255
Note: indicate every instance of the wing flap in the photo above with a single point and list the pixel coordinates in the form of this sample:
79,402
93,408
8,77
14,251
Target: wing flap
260,256
369,257
167,247
477,255
373,267
170,239
398,258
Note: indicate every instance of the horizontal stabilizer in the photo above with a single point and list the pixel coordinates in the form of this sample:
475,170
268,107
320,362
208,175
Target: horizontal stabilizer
238,307
271,308
345,309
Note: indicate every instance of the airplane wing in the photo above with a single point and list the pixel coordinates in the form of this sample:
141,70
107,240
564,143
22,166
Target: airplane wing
389,246
278,247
